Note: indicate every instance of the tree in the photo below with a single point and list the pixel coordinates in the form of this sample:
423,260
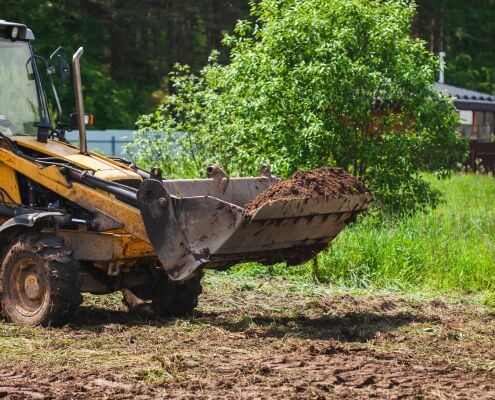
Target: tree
312,83
464,30
129,46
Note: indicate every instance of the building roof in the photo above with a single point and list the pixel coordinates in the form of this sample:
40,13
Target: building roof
466,99
464,94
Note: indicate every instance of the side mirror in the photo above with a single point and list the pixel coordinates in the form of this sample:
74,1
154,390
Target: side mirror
63,64
88,120
64,71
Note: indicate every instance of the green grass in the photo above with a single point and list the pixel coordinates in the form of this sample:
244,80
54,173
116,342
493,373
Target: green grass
449,249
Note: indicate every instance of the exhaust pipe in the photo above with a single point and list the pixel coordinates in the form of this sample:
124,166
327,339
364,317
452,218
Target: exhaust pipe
83,145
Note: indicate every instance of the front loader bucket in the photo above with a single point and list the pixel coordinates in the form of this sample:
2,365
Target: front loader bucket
193,223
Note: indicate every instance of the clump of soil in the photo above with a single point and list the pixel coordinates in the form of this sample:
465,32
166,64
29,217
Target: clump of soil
321,182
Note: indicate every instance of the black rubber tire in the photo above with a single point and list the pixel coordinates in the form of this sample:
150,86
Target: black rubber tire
166,298
45,260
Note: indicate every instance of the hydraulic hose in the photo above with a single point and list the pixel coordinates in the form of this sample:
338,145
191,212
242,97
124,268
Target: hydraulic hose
127,195
6,211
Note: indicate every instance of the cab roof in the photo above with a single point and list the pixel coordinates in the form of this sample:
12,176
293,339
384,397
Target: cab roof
6,28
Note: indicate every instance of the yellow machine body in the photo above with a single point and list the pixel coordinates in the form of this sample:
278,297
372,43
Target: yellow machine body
111,246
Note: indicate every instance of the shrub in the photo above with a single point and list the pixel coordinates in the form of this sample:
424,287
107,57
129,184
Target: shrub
313,83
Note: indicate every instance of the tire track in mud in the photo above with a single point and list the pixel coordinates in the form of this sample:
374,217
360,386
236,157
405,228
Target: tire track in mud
245,344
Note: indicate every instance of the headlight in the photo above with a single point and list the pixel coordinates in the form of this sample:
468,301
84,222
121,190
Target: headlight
14,33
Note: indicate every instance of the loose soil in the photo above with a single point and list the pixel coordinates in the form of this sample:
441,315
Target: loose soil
259,338
321,182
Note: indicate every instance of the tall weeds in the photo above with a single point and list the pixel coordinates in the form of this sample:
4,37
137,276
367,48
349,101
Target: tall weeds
449,249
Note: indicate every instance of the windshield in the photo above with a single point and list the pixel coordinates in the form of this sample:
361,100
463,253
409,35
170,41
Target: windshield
19,104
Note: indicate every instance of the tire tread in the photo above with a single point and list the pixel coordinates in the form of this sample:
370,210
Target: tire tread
65,296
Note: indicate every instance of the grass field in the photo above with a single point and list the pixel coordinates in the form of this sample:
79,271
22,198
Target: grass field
398,314
449,249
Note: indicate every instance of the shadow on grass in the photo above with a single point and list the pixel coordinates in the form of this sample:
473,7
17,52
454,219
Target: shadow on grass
96,319
348,327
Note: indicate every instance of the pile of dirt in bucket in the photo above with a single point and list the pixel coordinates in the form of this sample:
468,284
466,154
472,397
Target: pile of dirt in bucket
321,182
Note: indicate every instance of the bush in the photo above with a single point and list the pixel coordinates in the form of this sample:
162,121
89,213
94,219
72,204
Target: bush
313,83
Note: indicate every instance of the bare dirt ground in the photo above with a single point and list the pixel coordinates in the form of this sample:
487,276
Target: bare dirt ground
254,338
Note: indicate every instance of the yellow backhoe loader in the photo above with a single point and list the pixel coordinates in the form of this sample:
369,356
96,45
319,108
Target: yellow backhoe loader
73,221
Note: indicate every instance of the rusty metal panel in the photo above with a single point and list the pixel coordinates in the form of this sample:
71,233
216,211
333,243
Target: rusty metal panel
239,191
206,222
307,207
163,230
256,236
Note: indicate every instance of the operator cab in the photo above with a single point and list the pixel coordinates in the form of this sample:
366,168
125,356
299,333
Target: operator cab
25,122
22,103
24,108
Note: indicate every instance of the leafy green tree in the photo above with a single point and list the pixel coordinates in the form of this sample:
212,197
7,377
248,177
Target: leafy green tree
71,24
465,31
312,83
129,46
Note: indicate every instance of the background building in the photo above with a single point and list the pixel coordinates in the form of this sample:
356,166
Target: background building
477,116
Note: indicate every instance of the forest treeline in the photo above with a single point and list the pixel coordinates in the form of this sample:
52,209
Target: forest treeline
131,46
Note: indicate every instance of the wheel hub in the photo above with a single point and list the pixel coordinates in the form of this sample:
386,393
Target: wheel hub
32,287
